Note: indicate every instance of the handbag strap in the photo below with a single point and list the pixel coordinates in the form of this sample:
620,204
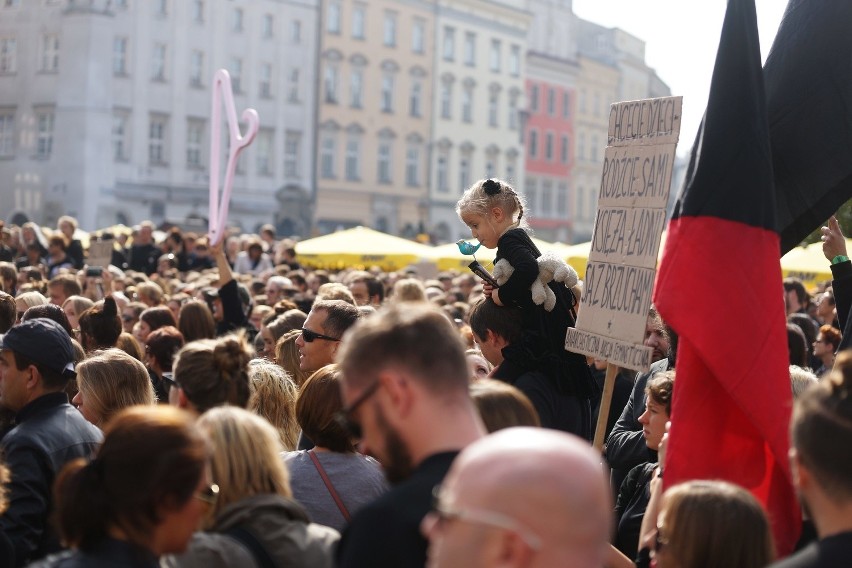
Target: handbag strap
329,486
247,538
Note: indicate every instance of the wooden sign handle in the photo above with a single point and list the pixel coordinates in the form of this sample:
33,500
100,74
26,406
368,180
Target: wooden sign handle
606,400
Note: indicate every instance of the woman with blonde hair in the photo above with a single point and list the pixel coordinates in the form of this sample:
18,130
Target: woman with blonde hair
287,356
109,381
273,396
73,306
255,521
27,300
409,290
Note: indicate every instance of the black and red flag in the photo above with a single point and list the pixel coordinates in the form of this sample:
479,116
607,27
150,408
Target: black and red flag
808,77
719,287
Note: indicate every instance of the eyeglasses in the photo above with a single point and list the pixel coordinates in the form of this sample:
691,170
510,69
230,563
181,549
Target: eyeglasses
309,336
209,494
169,382
443,513
343,416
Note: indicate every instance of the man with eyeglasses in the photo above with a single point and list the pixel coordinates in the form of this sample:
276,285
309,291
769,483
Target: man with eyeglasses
405,391
327,321
524,497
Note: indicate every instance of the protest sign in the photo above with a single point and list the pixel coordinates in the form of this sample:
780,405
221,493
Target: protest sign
100,253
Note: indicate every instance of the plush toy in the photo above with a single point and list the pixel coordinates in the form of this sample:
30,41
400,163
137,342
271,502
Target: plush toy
551,268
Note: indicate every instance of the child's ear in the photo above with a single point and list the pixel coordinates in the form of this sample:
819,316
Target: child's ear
497,213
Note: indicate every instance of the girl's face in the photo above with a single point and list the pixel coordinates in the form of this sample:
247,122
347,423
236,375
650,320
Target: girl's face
661,556
70,313
79,401
478,367
487,229
653,422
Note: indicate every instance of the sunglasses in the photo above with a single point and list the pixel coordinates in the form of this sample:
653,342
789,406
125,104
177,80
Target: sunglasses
309,336
209,494
343,416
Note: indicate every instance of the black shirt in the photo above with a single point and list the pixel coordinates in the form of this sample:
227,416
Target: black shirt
387,531
832,552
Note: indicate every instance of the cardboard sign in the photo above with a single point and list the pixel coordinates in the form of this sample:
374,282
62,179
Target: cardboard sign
622,266
100,253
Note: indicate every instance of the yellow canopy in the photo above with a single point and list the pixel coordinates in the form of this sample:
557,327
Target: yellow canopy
808,264
448,257
360,247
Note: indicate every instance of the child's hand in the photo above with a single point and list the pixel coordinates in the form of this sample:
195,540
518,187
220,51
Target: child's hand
495,296
487,289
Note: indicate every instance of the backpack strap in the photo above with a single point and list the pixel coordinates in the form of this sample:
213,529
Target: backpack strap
250,541
338,501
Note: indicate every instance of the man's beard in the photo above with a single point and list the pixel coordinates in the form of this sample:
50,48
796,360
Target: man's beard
397,460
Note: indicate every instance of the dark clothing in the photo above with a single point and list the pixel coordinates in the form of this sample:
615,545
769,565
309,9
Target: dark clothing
386,533
143,258
543,330
74,252
841,284
232,309
621,391
556,408
831,552
109,553
159,387
199,262
630,508
6,253
625,446
54,266
49,433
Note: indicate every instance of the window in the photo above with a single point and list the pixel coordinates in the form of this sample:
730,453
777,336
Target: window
237,20
581,147
157,140
44,143
412,165
547,198
548,146
7,133
292,144
158,62
265,84
597,104
562,200
50,53
566,105
120,136
490,168
353,158
327,156
418,36
510,169
119,56
390,29
495,55
534,98
416,97
196,68
565,149
161,8
293,85
513,112
268,25
356,88
194,142
551,102
467,104
583,101
533,143
532,196
198,11
8,55
332,24
449,43
470,49
493,108
384,162
593,151
296,31
387,92
236,71
581,208
443,181
446,99
464,173
264,151
331,77
358,17
515,61
11,3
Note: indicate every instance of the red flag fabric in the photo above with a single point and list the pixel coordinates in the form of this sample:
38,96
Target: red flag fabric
719,287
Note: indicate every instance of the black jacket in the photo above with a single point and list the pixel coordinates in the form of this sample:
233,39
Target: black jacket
49,433
109,553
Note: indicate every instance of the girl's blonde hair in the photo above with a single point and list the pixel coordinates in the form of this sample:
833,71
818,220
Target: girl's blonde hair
112,380
273,396
287,356
486,194
246,459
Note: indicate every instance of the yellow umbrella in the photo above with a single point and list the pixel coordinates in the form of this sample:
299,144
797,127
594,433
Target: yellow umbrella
360,247
808,264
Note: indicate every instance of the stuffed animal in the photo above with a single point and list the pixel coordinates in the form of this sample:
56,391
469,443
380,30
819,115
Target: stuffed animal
551,268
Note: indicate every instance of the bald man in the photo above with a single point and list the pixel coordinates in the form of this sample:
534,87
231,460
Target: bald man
526,497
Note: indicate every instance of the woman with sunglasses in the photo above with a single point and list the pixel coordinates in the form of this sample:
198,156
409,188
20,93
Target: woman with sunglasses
255,521
332,480
142,495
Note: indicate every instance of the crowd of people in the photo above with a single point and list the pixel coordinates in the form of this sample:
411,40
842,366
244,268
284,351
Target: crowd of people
218,404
